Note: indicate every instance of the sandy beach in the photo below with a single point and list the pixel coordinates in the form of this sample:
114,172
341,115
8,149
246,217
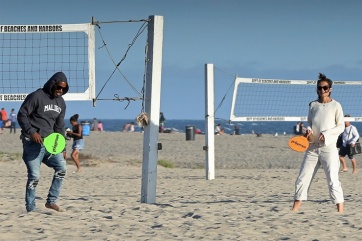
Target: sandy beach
249,199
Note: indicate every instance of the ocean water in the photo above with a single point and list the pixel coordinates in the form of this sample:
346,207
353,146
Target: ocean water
115,125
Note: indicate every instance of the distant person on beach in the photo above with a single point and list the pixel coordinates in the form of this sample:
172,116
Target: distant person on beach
219,130
131,127
299,128
198,131
326,122
100,126
296,128
236,130
128,127
350,136
67,138
78,142
12,118
94,126
4,118
162,122
1,122
41,114
302,128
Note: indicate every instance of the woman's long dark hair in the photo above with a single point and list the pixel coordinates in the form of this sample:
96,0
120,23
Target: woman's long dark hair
321,78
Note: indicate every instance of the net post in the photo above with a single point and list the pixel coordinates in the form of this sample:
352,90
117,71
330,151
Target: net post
232,116
209,122
152,108
91,63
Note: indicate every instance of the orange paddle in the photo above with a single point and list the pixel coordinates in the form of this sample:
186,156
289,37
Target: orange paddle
298,143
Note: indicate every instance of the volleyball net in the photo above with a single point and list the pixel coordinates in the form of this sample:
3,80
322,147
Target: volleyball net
31,54
287,100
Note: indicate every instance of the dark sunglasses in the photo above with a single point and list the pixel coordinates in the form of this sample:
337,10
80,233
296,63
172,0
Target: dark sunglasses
58,87
323,87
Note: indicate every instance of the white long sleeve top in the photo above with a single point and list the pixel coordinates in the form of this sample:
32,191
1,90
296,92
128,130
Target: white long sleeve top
327,119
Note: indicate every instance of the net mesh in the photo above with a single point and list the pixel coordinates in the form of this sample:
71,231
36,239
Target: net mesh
287,100
28,59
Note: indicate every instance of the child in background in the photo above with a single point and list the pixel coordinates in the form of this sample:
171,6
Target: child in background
78,142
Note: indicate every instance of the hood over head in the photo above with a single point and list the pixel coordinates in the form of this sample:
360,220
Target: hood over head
57,77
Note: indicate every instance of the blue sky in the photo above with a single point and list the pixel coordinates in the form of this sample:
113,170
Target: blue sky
274,39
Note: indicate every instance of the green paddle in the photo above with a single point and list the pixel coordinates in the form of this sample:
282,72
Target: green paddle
54,143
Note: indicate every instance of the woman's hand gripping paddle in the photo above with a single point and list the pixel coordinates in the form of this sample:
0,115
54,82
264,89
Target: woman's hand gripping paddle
298,143
54,143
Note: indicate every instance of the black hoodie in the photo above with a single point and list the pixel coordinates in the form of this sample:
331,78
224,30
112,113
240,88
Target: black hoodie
43,112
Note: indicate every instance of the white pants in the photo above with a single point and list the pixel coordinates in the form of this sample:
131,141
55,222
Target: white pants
313,159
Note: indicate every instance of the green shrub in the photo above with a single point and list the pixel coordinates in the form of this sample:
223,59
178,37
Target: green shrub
165,163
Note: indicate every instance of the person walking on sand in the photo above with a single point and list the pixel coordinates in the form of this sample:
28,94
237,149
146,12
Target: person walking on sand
326,122
41,114
78,142
13,121
350,136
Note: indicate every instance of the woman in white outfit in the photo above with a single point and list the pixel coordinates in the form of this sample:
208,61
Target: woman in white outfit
326,122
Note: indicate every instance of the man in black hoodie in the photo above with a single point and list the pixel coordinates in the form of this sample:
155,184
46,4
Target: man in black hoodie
41,114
